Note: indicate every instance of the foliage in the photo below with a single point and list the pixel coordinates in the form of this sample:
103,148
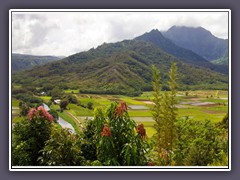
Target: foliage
156,110
71,99
225,121
199,143
90,105
119,143
63,104
56,93
116,138
165,115
28,98
22,61
171,113
24,108
54,115
62,149
89,141
122,68
29,137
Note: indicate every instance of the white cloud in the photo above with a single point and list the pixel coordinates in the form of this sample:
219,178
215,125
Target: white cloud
66,33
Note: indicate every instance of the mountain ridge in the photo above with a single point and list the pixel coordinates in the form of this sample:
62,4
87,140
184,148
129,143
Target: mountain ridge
118,68
186,55
25,61
199,40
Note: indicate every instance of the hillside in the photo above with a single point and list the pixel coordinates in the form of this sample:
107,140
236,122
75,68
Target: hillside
118,68
199,40
222,61
183,54
23,61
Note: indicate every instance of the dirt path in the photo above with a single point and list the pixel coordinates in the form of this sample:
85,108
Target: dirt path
76,120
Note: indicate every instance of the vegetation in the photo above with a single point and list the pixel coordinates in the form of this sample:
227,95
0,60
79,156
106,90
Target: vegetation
182,142
22,61
29,136
200,143
113,137
122,68
186,54
62,149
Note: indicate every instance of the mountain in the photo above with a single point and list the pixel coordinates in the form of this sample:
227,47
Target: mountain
199,40
119,68
23,61
223,60
185,55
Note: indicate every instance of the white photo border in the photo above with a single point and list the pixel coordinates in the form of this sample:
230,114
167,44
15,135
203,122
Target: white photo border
117,168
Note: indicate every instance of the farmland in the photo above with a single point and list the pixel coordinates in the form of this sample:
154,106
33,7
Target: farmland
198,105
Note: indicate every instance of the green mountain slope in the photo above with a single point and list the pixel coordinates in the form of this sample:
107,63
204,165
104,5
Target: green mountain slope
23,61
118,68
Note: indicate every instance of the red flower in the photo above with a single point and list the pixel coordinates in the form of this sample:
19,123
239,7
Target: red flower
141,130
40,112
123,105
31,113
120,109
106,131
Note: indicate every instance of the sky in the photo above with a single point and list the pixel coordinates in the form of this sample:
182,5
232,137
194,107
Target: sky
67,33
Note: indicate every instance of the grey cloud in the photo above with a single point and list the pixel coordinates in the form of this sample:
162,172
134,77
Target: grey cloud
68,33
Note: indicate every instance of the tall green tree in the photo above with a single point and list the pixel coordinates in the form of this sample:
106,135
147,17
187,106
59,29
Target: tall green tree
172,102
165,115
157,111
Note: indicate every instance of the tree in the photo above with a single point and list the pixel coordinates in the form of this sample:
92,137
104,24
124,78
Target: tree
56,93
63,104
172,103
165,115
24,108
119,140
72,99
157,111
29,137
90,105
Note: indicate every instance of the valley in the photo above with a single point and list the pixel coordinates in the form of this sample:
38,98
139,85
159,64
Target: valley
198,105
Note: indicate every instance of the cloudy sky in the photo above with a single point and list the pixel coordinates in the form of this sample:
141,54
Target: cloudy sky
66,33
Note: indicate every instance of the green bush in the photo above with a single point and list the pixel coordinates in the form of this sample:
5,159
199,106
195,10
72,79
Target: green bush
62,149
29,137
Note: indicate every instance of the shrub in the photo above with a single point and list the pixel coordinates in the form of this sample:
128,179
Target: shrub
90,105
119,140
29,137
62,149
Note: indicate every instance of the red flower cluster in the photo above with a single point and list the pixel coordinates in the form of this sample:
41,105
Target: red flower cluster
141,130
120,109
106,131
40,112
